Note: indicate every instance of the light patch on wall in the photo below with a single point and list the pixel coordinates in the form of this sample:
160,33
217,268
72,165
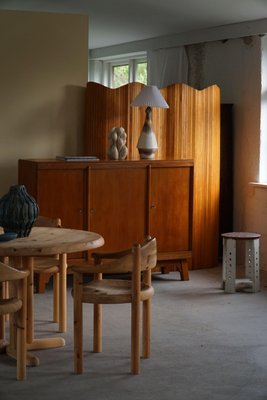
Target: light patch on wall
263,135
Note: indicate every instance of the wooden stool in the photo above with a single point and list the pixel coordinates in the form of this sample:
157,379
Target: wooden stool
252,268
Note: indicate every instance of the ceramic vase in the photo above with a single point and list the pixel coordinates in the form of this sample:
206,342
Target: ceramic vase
18,211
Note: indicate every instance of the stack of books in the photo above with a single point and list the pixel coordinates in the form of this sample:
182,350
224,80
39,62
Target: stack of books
77,158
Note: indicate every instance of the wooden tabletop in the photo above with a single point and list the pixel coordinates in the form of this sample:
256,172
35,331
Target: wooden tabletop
48,241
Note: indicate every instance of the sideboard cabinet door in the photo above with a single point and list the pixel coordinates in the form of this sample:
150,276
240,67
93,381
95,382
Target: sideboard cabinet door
59,189
117,205
60,193
170,208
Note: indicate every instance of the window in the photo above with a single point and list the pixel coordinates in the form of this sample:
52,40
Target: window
120,75
141,72
132,70
117,71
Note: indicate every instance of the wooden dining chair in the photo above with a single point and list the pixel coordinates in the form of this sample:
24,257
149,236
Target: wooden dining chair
46,266
138,262
15,304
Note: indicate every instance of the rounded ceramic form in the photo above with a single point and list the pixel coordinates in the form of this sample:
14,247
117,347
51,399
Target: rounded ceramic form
18,211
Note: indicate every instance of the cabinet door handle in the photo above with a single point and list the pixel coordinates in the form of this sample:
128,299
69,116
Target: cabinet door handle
152,206
80,211
92,211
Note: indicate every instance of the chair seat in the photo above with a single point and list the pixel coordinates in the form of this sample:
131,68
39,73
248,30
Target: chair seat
8,306
49,265
113,291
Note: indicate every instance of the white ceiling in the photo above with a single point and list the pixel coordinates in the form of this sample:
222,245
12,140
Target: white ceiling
113,22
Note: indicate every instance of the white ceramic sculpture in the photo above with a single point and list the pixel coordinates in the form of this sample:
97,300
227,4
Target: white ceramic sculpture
117,149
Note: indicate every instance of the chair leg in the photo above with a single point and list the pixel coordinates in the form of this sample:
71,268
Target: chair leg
2,317
6,295
146,318
135,338
97,328
21,333
5,288
2,329
97,321
2,322
78,323
56,297
63,292
146,328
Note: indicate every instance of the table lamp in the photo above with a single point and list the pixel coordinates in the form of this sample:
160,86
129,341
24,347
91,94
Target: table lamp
149,97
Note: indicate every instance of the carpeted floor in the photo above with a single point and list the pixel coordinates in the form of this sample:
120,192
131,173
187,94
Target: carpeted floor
206,345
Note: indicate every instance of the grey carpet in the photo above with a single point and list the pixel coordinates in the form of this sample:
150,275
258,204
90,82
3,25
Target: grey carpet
206,345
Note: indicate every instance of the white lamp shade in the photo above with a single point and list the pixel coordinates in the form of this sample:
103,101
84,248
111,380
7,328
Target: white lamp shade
149,96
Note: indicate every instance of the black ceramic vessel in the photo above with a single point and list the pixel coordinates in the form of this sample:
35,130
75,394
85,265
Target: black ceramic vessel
18,211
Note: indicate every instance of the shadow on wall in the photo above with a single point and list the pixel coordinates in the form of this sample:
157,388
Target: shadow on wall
9,176
74,118
54,127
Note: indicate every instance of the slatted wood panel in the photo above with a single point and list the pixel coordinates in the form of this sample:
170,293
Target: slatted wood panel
189,129
106,109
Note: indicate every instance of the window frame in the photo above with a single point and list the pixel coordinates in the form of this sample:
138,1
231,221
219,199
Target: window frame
132,62
111,66
102,71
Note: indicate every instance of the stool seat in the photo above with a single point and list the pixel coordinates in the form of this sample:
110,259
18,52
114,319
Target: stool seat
241,235
252,269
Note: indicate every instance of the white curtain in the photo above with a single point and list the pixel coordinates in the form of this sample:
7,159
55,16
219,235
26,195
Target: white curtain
167,66
98,72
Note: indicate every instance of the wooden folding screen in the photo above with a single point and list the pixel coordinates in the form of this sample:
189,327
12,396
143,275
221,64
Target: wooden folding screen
189,129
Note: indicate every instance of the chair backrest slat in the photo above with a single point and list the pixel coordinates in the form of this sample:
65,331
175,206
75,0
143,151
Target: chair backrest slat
43,221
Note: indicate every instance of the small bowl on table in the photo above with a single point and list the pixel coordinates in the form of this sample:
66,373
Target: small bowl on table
5,237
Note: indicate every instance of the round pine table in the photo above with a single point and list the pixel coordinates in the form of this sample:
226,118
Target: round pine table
46,241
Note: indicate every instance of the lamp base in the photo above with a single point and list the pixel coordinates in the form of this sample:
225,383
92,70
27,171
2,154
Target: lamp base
147,142
148,154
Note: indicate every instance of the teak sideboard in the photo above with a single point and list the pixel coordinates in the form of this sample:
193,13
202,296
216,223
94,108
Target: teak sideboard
121,200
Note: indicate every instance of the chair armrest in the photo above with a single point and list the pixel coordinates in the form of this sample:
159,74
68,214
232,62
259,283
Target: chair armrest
8,273
111,267
98,256
90,269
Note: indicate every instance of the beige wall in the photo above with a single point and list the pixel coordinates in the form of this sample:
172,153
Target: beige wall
43,74
236,68
235,65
